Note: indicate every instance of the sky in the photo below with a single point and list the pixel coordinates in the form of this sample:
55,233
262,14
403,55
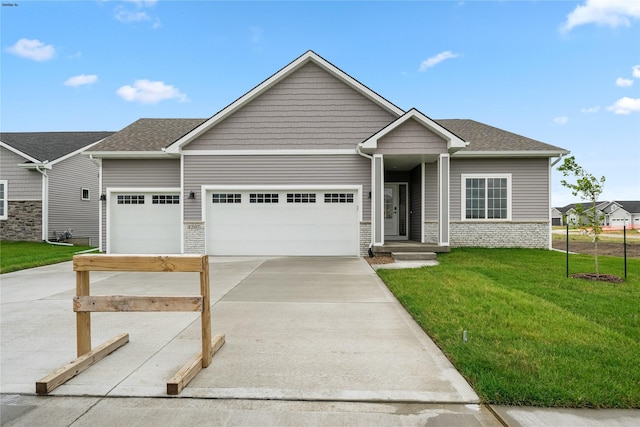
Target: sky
566,73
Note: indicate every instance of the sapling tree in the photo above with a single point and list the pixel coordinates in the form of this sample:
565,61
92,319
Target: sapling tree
589,188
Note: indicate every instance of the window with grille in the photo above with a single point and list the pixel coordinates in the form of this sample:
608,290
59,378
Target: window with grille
263,198
301,198
487,197
165,199
338,197
226,198
130,199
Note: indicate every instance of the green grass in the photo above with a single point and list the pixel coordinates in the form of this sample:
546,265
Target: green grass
535,337
20,255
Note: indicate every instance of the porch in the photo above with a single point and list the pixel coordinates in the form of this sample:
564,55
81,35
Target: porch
408,246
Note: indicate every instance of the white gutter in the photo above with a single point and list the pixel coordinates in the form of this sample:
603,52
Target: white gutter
98,163
558,159
358,147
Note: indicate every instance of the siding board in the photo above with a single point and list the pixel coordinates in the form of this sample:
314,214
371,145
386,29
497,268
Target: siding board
23,184
411,138
308,109
315,170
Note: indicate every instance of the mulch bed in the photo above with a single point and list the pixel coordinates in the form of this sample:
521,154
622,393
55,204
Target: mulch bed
380,260
598,277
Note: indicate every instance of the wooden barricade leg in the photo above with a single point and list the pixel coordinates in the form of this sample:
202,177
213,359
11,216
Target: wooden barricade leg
83,319
206,313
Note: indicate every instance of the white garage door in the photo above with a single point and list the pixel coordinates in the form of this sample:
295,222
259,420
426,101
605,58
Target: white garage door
144,223
282,222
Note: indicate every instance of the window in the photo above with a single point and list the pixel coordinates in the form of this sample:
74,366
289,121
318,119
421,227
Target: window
130,199
486,197
301,198
165,199
3,199
338,197
263,198
85,194
226,198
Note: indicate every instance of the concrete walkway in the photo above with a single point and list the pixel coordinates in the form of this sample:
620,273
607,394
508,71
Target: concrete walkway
309,341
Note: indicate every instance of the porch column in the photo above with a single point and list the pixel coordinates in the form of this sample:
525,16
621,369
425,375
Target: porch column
443,200
377,200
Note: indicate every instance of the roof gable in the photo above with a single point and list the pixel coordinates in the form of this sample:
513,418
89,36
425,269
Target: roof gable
454,143
306,58
49,146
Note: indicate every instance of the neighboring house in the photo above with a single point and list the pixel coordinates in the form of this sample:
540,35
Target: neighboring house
571,217
47,186
620,213
556,216
312,162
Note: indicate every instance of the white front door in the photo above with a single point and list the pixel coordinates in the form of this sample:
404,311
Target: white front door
391,211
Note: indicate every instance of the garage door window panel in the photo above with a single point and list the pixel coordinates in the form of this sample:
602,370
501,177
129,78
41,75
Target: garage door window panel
226,198
130,199
263,198
301,198
165,199
338,197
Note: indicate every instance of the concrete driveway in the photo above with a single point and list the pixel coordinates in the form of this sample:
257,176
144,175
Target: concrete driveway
297,329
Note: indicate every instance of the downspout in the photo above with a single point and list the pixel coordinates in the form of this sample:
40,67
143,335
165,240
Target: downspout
45,201
358,147
550,202
100,213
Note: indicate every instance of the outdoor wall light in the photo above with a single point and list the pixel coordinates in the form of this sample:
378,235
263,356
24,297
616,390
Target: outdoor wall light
103,197
192,195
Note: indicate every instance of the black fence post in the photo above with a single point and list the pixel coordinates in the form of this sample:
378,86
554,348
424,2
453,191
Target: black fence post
567,250
624,234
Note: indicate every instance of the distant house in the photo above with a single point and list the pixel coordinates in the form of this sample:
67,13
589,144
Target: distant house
47,186
313,162
619,213
570,214
556,216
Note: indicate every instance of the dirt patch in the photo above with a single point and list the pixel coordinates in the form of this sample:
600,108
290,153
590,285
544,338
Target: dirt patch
380,260
604,248
598,277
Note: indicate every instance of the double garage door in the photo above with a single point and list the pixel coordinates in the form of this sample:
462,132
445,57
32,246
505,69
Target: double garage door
245,222
282,222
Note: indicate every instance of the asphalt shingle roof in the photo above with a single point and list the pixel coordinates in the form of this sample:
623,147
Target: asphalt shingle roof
631,206
148,135
483,137
50,146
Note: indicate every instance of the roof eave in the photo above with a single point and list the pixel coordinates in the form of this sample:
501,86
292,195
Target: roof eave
129,154
507,154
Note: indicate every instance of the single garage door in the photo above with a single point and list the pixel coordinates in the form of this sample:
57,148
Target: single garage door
282,222
144,223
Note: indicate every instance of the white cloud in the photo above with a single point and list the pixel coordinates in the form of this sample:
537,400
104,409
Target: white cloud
623,82
613,13
127,16
561,120
636,71
434,60
32,49
625,105
148,92
80,80
590,110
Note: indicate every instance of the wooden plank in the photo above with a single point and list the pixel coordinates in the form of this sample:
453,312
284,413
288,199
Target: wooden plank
83,320
157,263
119,303
183,377
60,376
206,316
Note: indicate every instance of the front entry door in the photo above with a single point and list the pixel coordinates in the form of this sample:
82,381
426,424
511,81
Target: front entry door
395,211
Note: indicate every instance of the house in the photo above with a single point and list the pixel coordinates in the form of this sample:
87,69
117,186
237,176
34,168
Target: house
556,216
47,187
622,213
570,213
313,162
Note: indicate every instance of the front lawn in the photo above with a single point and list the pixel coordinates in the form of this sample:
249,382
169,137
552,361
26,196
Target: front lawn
20,255
535,337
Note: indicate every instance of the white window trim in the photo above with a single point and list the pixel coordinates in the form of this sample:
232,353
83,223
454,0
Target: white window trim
4,201
88,194
463,195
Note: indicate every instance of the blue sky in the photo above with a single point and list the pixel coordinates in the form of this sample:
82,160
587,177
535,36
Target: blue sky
563,72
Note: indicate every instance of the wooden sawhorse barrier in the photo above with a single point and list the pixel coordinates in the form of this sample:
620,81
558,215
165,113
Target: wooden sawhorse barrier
84,304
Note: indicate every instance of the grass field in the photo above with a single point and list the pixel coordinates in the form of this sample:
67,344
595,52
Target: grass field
20,255
535,337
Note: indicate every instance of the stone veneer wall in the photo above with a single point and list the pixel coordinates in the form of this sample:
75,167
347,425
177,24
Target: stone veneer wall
365,238
194,237
431,232
500,234
24,221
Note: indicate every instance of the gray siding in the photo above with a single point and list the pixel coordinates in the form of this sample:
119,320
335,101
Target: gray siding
136,173
431,192
308,109
529,186
415,202
411,138
67,210
274,170
23,184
